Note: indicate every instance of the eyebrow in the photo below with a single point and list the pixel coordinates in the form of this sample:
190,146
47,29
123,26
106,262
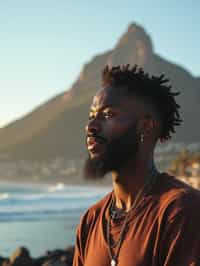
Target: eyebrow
103,107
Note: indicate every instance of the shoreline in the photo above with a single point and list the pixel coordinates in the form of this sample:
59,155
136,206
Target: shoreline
74,182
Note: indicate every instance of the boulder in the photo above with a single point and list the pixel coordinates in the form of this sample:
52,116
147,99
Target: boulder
21,257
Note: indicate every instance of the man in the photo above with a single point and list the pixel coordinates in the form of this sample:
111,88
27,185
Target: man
149,218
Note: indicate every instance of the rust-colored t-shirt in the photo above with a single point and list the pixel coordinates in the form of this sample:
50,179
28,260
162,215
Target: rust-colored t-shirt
164,229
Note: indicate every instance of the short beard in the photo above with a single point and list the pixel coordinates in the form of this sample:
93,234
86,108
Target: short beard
118,152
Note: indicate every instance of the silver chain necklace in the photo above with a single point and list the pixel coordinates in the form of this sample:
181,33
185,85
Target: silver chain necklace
114,256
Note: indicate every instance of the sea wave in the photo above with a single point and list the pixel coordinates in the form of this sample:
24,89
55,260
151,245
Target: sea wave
47,201
46,196
39,215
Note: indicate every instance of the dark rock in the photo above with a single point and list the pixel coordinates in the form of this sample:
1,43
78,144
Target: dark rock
21,257
2,260
58,257
54,263
6,262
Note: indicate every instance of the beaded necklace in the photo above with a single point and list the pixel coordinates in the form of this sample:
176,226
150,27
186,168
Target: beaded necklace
152,177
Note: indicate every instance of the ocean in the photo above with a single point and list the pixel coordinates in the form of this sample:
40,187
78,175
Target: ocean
42,217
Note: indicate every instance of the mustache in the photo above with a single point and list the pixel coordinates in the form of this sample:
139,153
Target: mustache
98,137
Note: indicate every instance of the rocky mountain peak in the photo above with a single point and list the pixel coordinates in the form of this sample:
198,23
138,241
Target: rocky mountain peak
135,45
134,32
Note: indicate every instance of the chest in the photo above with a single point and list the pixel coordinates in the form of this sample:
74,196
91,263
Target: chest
137,248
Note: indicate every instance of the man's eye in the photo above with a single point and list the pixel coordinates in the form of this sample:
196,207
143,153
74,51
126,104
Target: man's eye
103,115
108,115
91,117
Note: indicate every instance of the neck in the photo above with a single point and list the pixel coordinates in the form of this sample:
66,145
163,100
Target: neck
130,180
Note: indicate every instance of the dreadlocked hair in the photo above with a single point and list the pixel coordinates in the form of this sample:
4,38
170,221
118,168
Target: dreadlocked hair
153,88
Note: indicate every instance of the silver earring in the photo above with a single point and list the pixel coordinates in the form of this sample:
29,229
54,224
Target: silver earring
142,137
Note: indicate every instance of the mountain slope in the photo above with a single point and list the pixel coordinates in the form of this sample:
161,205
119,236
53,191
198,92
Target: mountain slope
56,128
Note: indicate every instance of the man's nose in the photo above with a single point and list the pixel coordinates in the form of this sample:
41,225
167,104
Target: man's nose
93,126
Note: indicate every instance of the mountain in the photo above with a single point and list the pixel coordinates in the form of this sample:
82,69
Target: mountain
56,128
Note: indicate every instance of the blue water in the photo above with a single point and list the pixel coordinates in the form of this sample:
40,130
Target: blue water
42,217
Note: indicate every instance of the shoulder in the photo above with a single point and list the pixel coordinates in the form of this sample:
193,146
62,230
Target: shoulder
92,213
178,223
178,198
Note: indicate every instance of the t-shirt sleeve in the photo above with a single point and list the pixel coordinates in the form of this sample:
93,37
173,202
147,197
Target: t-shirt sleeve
78,256
180,243
81,238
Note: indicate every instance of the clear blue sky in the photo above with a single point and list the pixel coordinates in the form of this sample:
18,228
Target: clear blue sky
44,43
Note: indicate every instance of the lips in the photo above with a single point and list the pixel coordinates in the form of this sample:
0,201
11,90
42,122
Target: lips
95,143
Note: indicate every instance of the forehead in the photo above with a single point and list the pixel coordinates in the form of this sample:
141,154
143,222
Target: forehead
110,97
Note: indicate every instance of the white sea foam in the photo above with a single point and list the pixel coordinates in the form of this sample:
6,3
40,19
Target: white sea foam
59,186
4,196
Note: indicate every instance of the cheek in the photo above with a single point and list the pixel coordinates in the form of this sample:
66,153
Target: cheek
118,127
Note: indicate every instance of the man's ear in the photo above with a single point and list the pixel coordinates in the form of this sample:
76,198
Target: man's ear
146,125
